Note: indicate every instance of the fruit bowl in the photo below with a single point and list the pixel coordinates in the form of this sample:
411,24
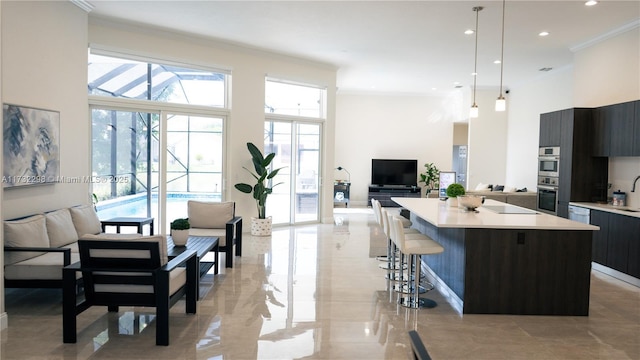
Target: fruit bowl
470,202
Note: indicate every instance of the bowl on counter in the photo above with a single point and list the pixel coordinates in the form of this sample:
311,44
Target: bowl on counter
470,202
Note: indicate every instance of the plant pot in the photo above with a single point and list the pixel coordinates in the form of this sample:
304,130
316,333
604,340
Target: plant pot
452,202
180,237
261,227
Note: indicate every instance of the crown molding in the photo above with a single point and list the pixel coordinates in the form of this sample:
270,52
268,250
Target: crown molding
83,4
608,35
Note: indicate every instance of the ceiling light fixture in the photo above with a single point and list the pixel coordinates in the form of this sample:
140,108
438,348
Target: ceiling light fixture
591,3
501,102
473,113
543,33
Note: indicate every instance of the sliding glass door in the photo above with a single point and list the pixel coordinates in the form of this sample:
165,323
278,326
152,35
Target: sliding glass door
297,148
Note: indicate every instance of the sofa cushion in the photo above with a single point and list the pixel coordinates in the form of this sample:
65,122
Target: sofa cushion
482,186
509,189
210,215
161,239
60,228
28,232
43,267
85,220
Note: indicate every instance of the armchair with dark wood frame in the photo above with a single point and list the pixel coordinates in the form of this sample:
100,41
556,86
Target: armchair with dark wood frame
129,273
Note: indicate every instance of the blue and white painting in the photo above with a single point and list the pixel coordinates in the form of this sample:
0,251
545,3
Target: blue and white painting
31,148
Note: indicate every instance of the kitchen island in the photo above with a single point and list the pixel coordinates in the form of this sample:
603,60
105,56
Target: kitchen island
504,259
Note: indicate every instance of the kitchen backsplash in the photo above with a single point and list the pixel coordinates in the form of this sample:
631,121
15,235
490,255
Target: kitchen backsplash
622,172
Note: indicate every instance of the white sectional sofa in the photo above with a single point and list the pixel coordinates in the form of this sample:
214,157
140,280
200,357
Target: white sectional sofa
37,247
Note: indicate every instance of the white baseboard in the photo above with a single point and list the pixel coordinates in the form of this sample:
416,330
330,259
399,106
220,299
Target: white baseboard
616,274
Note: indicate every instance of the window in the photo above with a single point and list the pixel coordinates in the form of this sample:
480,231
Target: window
293,99
122,78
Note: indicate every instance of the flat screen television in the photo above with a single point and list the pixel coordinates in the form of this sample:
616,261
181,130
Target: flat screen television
394,172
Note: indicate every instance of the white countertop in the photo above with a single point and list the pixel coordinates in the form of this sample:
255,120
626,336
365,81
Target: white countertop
622,210
439,214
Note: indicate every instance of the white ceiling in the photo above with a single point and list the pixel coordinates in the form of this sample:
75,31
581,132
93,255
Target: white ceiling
396,46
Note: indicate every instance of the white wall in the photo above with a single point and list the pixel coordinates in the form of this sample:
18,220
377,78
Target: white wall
487,150
4,321
608,72
383,126
249,68
43,60
549,92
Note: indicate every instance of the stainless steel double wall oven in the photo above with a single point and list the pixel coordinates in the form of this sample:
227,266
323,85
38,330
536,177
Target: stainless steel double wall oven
548,179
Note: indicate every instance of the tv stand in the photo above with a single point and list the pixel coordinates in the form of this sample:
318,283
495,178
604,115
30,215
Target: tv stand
384,193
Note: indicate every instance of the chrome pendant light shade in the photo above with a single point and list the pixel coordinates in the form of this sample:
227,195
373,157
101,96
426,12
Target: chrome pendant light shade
501,102
474,111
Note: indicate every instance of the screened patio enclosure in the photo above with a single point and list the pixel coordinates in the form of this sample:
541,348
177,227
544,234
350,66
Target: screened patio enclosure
155,125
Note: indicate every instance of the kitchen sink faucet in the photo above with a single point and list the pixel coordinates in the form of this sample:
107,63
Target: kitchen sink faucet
633,189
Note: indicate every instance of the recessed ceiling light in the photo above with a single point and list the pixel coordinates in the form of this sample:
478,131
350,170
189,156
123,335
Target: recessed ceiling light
474,74
543,33
496,61
468,32
591,3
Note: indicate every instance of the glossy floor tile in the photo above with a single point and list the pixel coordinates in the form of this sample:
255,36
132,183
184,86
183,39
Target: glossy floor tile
316,292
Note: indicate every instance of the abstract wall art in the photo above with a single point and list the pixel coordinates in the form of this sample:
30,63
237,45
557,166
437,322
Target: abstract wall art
31,148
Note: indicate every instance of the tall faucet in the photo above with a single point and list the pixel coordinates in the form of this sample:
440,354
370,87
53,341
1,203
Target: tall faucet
633,189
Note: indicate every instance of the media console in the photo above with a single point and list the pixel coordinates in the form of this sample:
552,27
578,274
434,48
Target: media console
386,192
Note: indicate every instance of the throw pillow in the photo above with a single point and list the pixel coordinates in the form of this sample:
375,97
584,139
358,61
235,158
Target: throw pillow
498,188
482,186
524,189
28,232
509,189
85,220
60,228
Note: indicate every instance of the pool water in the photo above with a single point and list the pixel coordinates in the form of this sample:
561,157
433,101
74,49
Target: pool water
136,206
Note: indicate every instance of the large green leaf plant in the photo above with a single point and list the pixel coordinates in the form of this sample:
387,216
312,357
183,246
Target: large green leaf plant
263,176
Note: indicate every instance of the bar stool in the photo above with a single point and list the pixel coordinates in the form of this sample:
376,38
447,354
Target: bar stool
397,275
414,247
390,260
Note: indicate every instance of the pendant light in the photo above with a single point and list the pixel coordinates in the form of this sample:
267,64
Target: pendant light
473,113
501,103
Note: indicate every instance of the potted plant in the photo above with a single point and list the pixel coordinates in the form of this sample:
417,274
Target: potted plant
453,191
260,226
180,231
430,177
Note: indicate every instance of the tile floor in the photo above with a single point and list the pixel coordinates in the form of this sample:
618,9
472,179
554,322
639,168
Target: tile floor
315,292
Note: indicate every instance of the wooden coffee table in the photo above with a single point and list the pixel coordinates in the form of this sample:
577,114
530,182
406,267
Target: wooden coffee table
202,245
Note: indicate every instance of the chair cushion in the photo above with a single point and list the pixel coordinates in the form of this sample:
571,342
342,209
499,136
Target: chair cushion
219,233
43,267
124,253
28,232
85,220
60,228
177,279
210,215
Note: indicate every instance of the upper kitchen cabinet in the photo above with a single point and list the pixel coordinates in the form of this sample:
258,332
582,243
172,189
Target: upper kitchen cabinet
636,129
550,127
617,130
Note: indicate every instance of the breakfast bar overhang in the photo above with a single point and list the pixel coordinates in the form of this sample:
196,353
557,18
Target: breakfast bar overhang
515,261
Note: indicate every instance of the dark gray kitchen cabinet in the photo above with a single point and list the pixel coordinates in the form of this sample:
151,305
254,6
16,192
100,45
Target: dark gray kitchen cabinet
550,128
582,177
599,241
621,118
617,244
636,128
617,130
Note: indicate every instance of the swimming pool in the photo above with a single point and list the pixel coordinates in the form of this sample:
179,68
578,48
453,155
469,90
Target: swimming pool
136,206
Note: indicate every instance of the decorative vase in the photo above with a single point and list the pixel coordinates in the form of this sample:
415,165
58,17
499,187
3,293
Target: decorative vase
180,237
452,202
261,227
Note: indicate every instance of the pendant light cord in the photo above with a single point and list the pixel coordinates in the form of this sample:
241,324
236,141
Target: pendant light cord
475,66
502,49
